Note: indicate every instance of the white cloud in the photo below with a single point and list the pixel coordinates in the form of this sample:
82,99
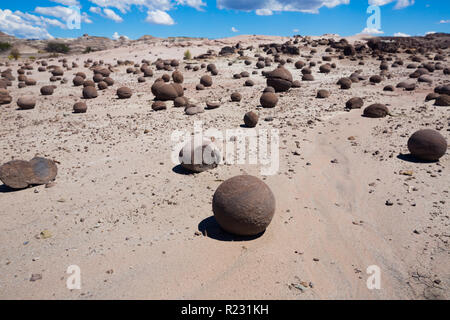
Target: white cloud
20,25
110,14
430,32
444,21
371,31
159,17
67,2
96,10
234,29
264,12
197,4
399,5
401,34
116,36
296,30
310,6
61,13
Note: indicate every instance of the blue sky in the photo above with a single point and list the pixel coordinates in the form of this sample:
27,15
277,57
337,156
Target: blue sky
220,18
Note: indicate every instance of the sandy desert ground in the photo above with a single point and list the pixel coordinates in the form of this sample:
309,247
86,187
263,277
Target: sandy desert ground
138,228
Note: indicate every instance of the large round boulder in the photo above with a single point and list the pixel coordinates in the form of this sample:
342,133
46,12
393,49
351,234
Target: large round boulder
427,144
244,205
280,79
124,93
376,110
26,102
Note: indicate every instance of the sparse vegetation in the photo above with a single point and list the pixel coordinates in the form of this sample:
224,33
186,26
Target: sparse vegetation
4,46
57,47
187,55
15,54
32,58
88,50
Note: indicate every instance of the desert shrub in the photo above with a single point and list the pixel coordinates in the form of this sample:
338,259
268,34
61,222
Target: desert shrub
15,54
187,55
4,46
57,47
88,50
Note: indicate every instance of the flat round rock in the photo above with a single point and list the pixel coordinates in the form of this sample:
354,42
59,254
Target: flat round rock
16,174
44,170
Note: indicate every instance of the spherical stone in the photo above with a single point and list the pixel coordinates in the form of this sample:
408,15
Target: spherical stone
47,90
432,96
26,102
102,85
349,50
124,93
199,158
354,103
308,77
206,81
159,105
388,88
268,100
325,68
236,97
200,87
442,101
260,64
177,77
442,89
296,84
16,174
345,83
376,110
244,74
180,102
269,89
427,145
97,78
299,64
44,170
89,83
90,92
244,205
251,119
306,71
179,89
212,105
323,94
166,92
375,79
280,79
81,75
109,81
80,107
249,83
141,80
165,77
5,98
30,82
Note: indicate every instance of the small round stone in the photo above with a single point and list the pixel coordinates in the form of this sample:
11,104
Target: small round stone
199,158
80,107
251,119
124,93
